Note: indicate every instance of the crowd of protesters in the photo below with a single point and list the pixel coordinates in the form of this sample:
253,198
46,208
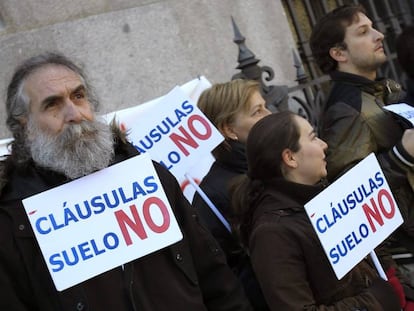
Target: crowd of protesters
265,171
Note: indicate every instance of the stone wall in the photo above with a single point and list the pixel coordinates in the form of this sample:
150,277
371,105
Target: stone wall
134,51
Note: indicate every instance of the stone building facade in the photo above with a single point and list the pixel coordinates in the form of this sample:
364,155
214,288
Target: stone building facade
137,50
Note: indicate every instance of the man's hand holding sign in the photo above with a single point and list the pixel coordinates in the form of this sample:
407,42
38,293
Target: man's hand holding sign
354,215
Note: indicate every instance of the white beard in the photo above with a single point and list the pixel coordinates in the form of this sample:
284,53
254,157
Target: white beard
78,150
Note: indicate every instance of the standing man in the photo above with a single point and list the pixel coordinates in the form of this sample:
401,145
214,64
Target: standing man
58,138
354,124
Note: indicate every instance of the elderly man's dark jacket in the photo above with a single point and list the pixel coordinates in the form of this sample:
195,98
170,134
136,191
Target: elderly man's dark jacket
189,275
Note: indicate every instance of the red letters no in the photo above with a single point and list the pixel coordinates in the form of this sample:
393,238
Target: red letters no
135,224
376,214
196,133
148,218
384,193
186,138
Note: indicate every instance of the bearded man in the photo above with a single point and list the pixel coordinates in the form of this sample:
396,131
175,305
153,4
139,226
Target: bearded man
51,112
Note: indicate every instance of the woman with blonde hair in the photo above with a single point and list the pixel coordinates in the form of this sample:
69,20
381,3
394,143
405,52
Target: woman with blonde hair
233,107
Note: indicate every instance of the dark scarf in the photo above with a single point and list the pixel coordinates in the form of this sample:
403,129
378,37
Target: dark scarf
298,193
235,158
273,195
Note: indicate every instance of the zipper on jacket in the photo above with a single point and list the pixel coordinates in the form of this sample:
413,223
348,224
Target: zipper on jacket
128,276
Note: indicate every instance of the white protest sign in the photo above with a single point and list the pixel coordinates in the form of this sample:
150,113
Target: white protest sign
129,115
130,120
101,221
404,110
354,215
174,132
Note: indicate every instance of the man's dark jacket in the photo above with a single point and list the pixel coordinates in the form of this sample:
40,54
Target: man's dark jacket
355,124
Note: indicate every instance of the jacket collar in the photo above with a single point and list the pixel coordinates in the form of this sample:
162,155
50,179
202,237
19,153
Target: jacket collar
350,78
235,159
387,89
278,196
293,195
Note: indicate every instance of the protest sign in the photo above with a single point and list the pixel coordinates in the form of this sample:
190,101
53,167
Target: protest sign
196,174
101,221
354,215
196,166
